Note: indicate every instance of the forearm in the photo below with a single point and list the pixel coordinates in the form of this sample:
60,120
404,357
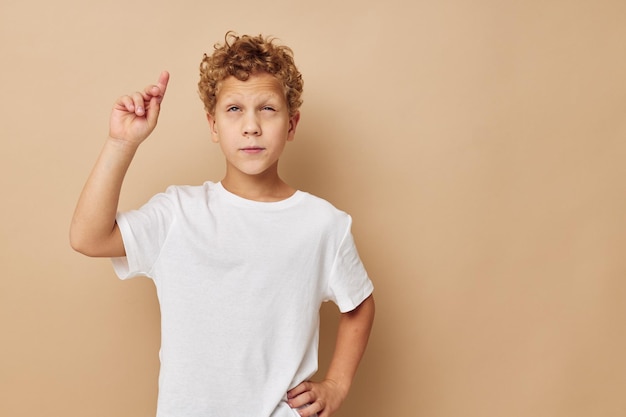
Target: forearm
93,224
352,337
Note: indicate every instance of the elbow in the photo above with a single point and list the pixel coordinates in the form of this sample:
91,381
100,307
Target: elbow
85,249
78,244
81,244
96,245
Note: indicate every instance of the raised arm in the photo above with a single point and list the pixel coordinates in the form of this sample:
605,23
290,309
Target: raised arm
324,398
94,231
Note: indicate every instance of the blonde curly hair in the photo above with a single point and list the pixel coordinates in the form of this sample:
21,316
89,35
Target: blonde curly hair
242,56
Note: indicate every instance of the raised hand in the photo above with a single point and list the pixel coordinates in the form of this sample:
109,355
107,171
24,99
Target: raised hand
135,116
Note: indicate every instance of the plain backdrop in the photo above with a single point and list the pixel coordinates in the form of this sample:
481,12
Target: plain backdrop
479,146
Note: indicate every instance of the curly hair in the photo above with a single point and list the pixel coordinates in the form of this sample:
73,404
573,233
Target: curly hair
242,56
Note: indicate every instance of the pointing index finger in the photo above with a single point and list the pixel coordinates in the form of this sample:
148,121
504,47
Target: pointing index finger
163,80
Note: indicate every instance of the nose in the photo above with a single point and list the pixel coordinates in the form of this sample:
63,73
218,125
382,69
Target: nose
251,126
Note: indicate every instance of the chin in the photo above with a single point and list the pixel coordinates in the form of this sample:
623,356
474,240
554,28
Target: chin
254,171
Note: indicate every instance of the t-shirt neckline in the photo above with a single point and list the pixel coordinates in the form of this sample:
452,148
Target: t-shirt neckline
238,200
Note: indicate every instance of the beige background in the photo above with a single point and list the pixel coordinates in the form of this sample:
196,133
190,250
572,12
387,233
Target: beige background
479,146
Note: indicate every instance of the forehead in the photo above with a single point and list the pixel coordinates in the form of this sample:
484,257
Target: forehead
257,85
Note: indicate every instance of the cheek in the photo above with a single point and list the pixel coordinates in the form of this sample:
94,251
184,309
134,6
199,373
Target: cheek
219,132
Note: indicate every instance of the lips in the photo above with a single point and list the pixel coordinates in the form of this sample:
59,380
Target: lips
252,149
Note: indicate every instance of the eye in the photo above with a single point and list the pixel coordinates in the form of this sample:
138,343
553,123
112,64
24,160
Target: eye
232,108
268,108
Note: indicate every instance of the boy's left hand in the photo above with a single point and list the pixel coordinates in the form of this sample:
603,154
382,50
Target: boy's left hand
323,398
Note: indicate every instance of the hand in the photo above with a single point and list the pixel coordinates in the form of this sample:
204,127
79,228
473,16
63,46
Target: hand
323,398
135,116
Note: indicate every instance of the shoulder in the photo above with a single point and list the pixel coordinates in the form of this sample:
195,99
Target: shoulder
187,192
325,211
181,197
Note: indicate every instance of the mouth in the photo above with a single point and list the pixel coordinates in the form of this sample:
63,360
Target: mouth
252,149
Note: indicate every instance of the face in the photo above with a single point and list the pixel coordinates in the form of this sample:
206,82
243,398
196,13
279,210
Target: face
251,123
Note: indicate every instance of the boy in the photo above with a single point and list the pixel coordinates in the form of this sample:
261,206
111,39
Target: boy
241,266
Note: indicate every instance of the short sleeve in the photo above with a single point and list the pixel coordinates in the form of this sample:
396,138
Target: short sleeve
349,283
144,232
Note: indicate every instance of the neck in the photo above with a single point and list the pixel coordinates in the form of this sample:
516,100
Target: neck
263,187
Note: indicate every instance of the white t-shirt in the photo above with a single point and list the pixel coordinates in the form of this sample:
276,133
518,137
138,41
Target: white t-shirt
240,284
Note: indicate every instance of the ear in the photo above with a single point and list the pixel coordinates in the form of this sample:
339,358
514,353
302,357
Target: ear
293,123
214,136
